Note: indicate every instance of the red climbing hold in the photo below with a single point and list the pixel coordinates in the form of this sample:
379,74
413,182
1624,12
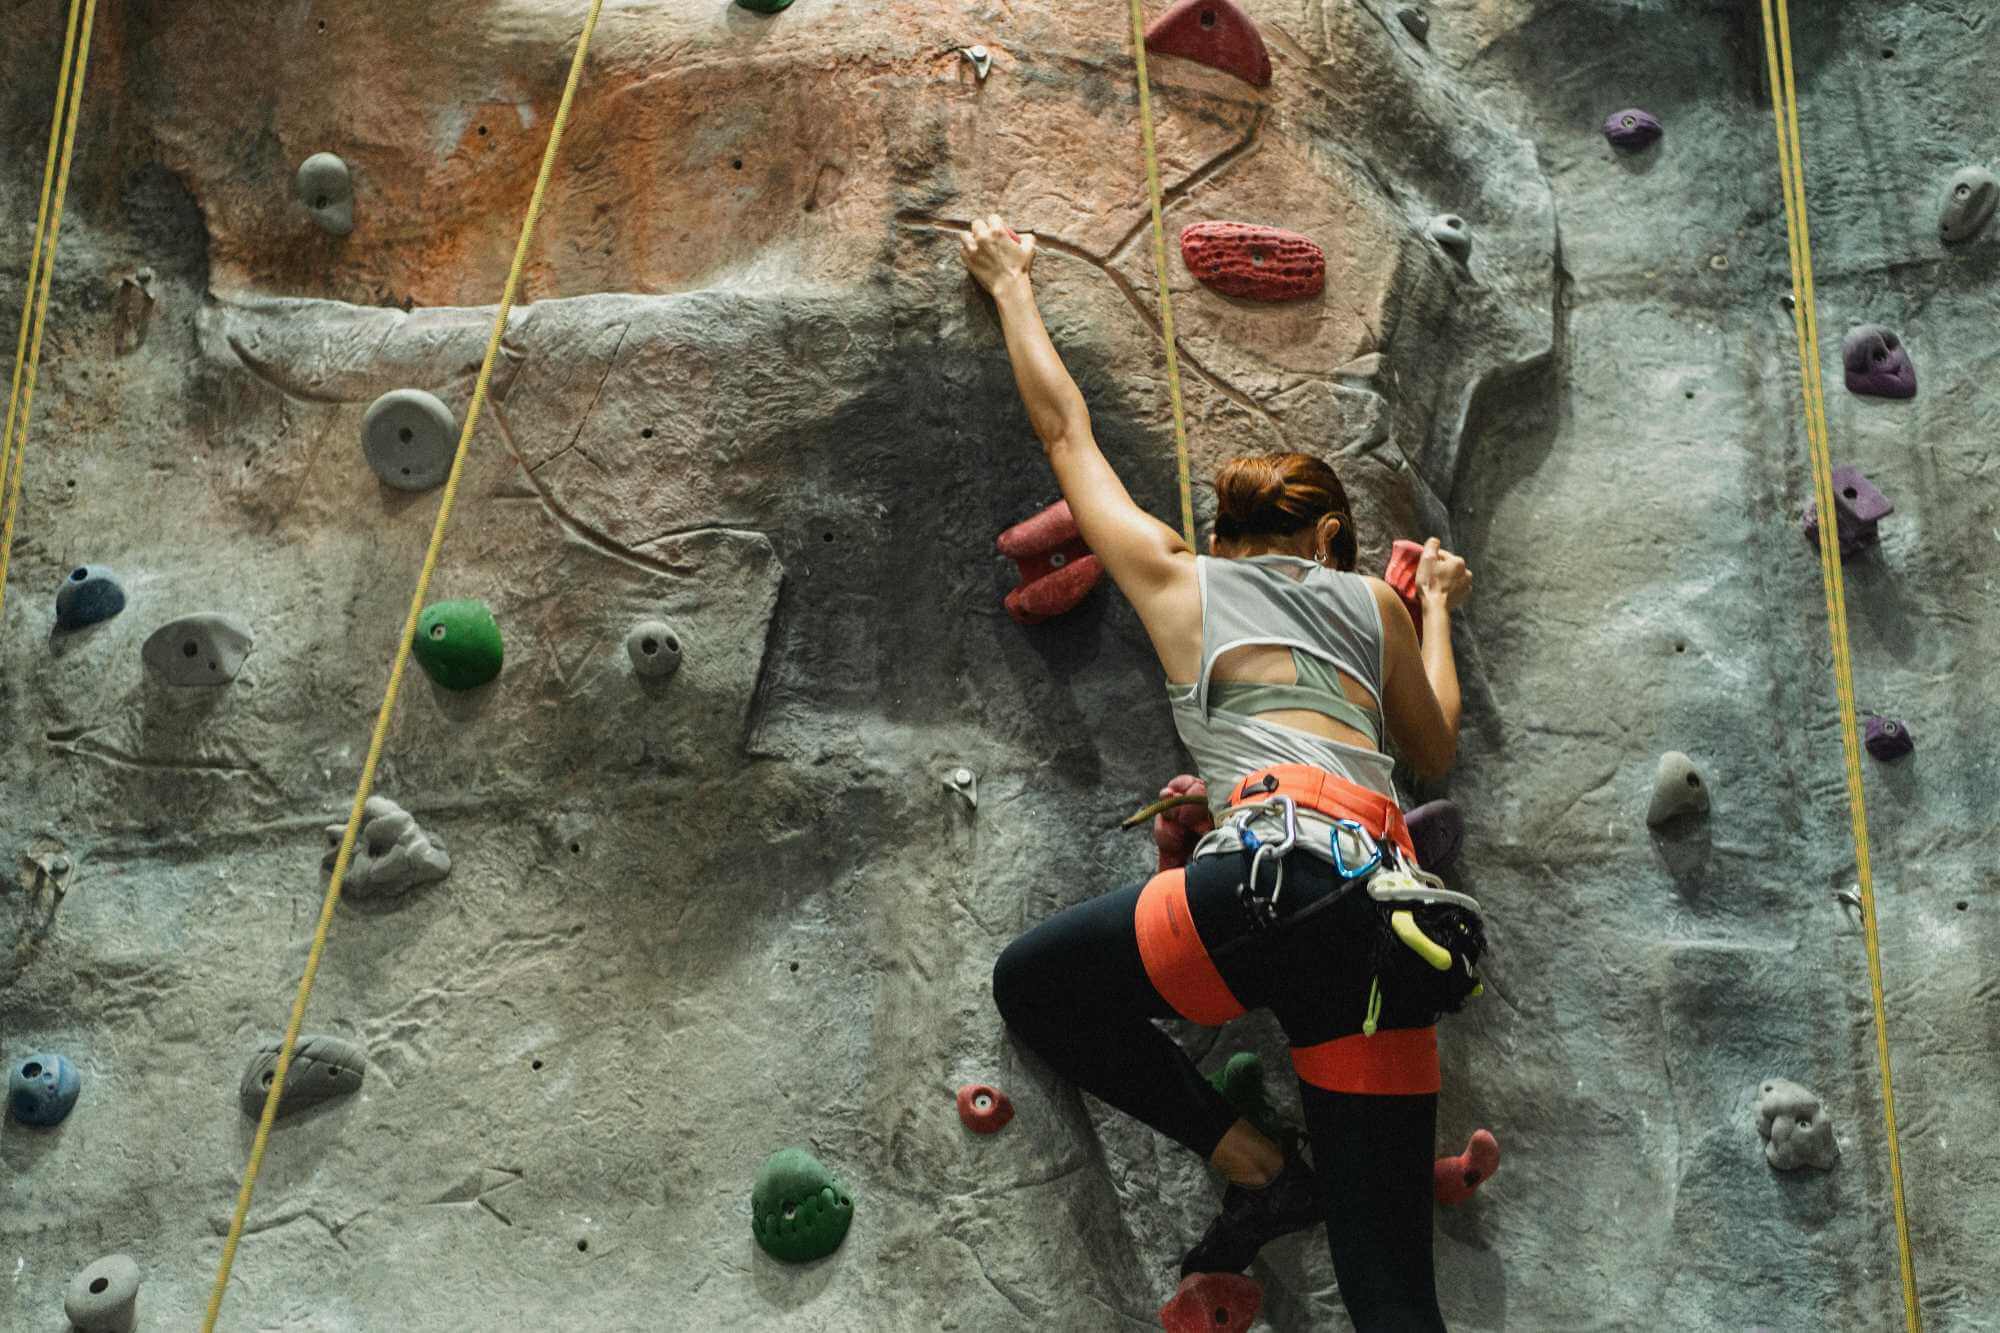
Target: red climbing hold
1057,569
1256,263
1212,1303
983,1108
1176,831
1453,1179
1402,576
1214,33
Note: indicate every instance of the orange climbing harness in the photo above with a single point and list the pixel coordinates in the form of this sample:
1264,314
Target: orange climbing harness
375,743
41,271
1160,272
1791,169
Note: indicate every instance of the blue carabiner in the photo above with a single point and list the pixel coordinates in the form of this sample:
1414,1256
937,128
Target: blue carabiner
1370,866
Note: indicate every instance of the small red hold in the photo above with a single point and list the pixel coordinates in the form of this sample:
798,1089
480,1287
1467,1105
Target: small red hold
1176,831
984,1109
1255,263
1057,569
1212,1303
1453,1179
1214,33
1402,576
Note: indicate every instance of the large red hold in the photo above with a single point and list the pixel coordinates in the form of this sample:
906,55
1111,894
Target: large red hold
1212,1303
1214,33
1402,576
1256,263
1057,569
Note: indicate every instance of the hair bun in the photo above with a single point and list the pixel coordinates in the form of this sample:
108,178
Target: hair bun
1260,495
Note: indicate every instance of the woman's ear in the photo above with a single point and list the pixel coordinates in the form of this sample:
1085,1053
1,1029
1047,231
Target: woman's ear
1323,537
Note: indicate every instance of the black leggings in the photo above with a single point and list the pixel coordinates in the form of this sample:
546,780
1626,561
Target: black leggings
1075,991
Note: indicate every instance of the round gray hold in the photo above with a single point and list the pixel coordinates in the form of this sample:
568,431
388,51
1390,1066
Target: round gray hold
1452,236
1969,200
409,437
655,648
104,1298
327,191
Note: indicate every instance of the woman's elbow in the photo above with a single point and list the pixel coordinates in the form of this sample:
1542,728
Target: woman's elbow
1437,761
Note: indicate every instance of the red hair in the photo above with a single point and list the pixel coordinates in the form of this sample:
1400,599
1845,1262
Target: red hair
1276,495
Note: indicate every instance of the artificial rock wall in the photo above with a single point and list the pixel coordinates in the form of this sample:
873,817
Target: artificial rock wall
750,391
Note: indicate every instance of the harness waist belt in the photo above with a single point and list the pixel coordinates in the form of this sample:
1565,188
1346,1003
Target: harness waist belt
1329,794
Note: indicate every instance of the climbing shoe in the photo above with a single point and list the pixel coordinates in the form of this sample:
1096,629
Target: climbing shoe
1253,1218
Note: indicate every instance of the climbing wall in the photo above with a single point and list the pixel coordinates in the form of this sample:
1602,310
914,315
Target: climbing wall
751,409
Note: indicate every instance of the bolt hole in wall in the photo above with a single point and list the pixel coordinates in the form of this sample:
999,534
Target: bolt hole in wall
646,434
1960,904
826,536
97,1287
322,25
736,164
536,1065
482,131
795,966
1680,647
576,849
583,1246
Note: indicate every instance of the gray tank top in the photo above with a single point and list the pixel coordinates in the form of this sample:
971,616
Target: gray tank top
1294,603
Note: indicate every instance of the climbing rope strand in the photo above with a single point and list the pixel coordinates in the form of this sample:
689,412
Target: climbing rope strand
382,718
1791,166
1160,273
41,269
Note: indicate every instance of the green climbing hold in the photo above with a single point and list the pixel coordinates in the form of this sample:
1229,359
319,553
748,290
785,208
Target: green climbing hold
764,6
798,1211
1241,1083
458,644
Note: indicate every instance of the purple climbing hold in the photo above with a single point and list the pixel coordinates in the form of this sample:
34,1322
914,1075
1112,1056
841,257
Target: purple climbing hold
1633,128
1437,830
1860,508
1878,363
1886,738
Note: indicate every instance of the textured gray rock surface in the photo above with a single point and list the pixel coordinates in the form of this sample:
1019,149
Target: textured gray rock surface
750,391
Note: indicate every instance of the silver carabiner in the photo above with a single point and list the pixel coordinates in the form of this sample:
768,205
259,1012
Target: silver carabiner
1282,846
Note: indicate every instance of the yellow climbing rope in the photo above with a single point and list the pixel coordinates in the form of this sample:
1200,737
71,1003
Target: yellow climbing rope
41,271
1160,272
388,709
1791,168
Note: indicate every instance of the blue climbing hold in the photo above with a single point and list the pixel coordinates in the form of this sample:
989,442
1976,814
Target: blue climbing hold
88,596
42,1089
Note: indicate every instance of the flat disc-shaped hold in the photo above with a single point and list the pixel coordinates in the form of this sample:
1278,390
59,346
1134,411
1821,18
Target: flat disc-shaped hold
42,1089
1969,198
205,649
984,1109
1678,789
1877,363
1632,128
458,644
327,191
764,6
104,1298
1214,33
322,1068
798,1210
409,437
88,596
1453,236
655,649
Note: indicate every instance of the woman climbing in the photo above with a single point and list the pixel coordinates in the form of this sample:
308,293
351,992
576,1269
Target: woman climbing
1285,670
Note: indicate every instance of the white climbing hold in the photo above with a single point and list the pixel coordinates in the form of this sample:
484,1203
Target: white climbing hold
1794,1127
982,61
104,1298
966,783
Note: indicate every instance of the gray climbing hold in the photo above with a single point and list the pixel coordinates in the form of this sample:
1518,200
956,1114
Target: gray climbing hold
1633,128
1678,789
1452,235
392,854
104,1298
206,649
655,649
1794,1127
409,437
88,596
322,1068
1969,197
327,191
1415,22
